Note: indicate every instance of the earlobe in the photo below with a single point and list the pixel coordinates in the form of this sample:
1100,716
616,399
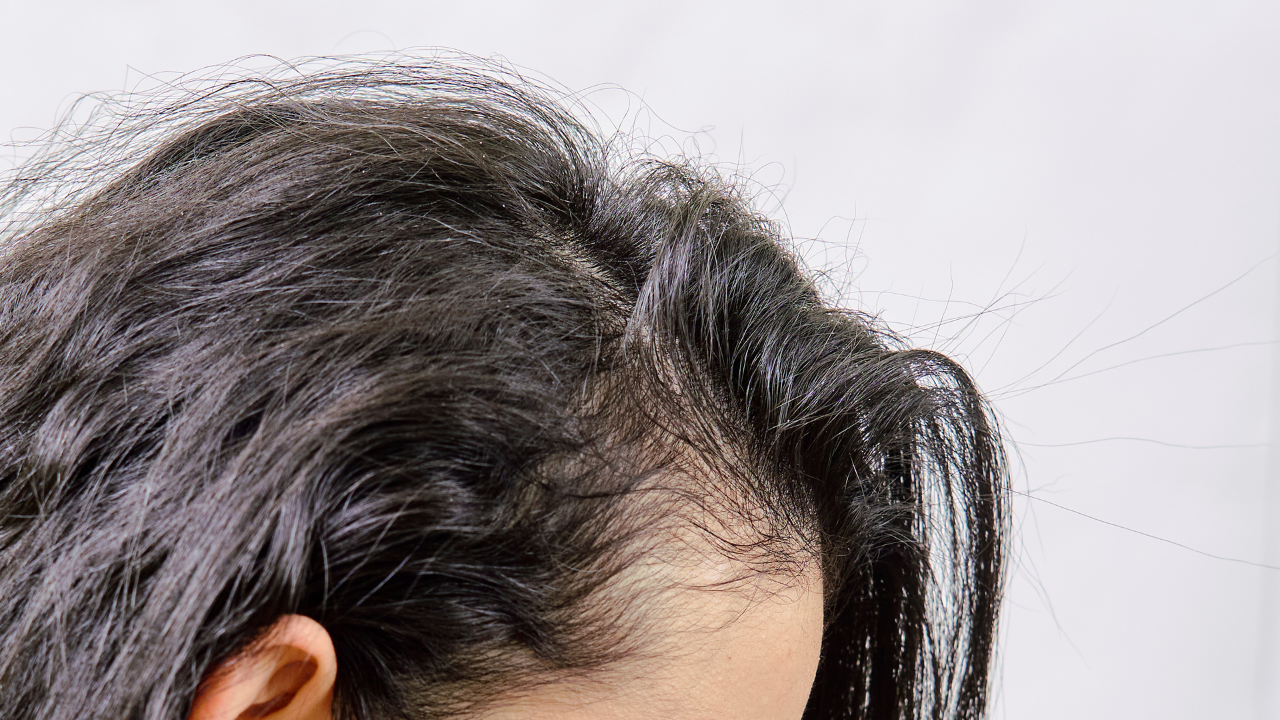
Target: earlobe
287,676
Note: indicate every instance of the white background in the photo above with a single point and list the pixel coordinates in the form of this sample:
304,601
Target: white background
1085,169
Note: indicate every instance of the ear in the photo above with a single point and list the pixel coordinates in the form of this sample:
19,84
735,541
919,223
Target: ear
287,676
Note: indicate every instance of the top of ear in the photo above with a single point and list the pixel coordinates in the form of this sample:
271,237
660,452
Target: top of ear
287,676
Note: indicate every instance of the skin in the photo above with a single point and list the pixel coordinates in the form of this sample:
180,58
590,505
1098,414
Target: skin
731,643
749,659
729,656
290,676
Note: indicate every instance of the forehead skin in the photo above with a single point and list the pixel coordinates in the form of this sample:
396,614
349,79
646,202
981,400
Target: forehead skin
748,659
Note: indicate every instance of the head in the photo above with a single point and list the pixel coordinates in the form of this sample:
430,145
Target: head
400,392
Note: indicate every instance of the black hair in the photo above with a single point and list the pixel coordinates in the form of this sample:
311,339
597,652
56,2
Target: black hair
414,351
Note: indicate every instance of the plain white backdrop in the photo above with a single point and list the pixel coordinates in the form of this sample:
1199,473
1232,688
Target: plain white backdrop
1081,200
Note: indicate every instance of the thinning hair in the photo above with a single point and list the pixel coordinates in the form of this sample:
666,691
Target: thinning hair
413,350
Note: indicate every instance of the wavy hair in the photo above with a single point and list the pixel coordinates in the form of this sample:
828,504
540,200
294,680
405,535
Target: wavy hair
414,351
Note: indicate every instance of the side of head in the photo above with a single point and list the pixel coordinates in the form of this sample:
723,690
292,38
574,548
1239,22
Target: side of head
413,355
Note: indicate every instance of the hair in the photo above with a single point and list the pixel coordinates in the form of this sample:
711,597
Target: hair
411,349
